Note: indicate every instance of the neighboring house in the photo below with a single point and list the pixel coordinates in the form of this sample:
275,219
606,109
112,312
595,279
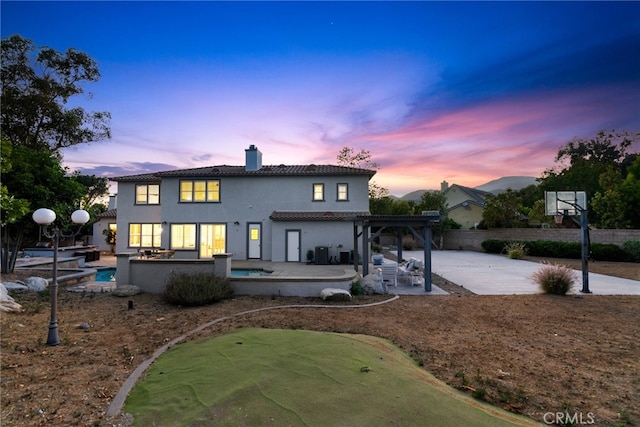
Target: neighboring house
273,213
105,221
464,204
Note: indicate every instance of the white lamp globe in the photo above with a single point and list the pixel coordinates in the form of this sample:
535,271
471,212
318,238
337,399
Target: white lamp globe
80,216
44,216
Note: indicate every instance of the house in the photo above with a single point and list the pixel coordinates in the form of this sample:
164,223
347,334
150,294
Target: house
104,222
272,213
464,204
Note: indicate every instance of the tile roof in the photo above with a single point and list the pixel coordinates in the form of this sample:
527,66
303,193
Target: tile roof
269,170
315,216
111,213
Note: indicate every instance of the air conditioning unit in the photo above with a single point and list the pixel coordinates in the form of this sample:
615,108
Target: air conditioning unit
322,255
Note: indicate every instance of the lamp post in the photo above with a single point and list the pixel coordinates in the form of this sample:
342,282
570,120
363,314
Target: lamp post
45,217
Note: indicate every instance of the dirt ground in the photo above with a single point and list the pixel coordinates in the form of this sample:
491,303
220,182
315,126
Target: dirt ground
530,354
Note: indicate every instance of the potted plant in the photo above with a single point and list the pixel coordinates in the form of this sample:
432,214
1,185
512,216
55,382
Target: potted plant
110,238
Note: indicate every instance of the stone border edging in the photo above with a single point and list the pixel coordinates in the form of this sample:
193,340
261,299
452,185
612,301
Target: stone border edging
118,401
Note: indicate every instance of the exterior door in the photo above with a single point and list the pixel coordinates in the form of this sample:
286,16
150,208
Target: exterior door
255,239
293,245
212,239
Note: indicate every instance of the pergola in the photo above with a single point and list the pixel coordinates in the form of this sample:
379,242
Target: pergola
419,225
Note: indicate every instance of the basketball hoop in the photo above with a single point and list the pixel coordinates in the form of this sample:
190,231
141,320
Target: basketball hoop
558,219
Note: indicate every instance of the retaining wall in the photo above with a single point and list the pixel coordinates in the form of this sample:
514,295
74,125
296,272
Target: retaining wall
151,275
471,240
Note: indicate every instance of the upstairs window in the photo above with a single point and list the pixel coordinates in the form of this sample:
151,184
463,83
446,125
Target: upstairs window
318,192
148,194
343,192
200,191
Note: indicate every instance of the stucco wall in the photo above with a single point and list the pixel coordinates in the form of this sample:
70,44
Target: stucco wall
467,216
248,200
319,233
472,239
99,238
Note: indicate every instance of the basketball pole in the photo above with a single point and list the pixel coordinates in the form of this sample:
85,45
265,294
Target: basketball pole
584,224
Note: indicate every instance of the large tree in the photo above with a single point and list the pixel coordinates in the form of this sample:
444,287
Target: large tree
37,84
36,87
503,210
582,162
363,159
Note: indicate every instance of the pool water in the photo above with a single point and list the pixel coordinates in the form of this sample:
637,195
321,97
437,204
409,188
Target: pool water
106,275
109,274
248,272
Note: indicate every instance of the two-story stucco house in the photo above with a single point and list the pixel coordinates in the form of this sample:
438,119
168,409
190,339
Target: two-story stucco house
274,213
465,205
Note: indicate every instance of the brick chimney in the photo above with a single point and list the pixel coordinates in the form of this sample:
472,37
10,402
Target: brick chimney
253,158
444,185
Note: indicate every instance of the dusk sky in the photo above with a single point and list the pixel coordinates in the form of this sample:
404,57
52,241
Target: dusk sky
459,91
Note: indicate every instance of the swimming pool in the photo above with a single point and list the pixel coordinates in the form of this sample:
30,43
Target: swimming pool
106,275
249,272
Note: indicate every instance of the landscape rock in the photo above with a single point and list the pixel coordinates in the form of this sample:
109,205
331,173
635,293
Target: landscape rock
36,284
335,294
7,303
15,287
126,291
373,284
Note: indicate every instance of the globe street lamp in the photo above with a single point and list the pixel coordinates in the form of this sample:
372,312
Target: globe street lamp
45,217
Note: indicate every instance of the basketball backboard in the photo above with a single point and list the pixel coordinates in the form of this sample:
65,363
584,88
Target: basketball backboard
565,202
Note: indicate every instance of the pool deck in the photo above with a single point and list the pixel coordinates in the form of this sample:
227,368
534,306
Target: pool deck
285,271
289,271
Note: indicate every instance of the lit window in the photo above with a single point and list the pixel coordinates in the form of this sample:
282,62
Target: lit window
147,194
200,191
145,235
213,238
183,236
343,192
318,192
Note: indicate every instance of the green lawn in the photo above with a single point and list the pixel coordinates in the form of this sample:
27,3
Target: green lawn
254,377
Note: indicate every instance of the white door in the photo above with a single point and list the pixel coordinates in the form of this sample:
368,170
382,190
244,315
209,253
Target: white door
255,231
293,245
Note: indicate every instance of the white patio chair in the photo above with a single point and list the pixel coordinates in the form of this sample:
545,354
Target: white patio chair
390,273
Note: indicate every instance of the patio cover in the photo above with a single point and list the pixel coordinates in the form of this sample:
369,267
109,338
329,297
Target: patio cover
419,225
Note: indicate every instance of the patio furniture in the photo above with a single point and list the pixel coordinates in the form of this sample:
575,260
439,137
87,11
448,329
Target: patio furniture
389,273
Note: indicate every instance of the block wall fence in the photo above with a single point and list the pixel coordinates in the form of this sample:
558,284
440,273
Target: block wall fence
471,240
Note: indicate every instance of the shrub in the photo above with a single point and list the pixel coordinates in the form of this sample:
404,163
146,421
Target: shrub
356,288
192,289
607,252
555,279
632,250
516,250
494,246
408,243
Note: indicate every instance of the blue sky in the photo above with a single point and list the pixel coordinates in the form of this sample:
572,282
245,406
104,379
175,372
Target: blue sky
458,91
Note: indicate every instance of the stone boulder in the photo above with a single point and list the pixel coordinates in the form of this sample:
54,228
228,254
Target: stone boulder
36,284
335,294
15,287
7,303
373,284
126,291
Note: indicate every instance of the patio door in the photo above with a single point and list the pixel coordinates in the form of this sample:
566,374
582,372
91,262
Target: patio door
212,239
254,241
293,246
